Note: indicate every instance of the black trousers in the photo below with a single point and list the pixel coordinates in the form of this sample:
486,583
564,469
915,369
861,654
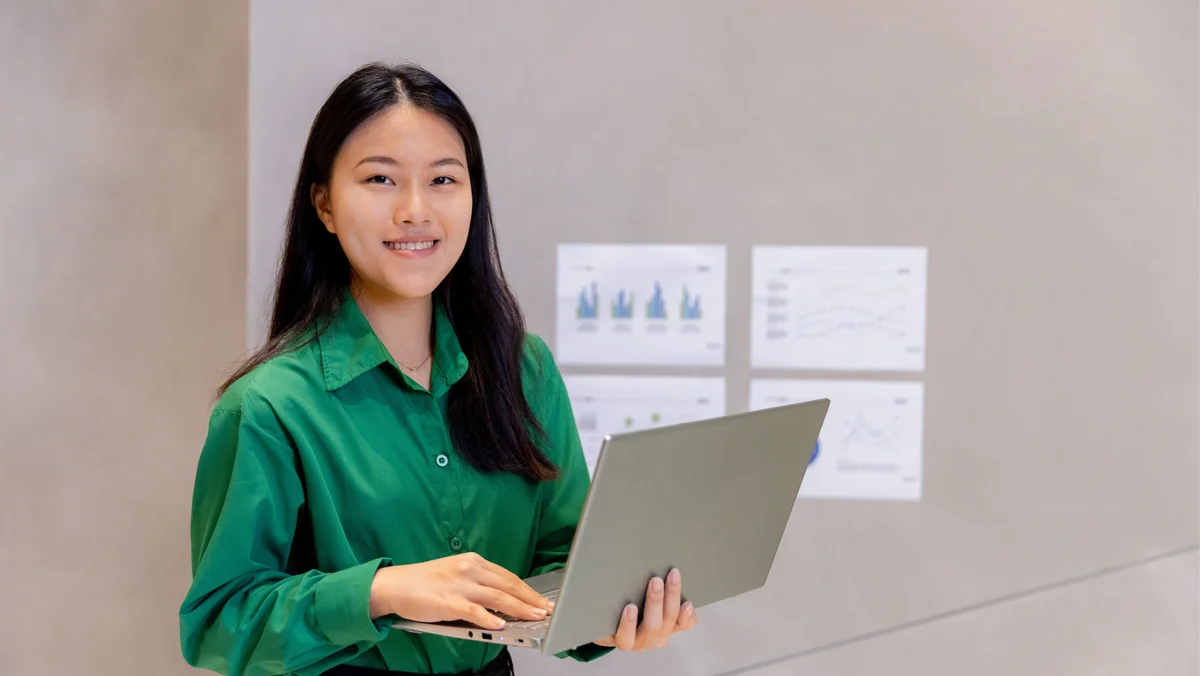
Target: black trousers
501,666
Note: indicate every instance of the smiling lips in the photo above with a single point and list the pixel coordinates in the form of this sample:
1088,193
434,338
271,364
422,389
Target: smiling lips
418,249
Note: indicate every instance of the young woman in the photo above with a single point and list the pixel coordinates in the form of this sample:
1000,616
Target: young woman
400,446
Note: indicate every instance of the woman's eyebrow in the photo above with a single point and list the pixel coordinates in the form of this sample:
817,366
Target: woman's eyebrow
384,159
381,159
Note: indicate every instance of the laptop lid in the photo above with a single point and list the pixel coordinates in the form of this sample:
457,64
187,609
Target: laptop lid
711,498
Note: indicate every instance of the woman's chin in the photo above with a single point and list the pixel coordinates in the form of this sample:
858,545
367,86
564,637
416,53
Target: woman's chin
412,291
395,291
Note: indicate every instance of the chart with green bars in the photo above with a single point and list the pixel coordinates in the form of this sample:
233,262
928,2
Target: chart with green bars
608,404
641,304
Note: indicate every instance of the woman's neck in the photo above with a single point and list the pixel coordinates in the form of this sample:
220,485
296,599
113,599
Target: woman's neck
403,325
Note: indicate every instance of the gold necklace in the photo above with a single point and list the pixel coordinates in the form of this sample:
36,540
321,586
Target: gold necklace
414,368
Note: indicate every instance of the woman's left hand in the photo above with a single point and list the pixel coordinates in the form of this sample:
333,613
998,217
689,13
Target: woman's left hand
662,616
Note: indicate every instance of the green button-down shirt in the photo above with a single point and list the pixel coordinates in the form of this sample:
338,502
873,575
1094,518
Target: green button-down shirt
327,463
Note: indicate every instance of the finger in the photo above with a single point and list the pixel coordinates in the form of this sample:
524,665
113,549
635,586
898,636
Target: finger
652,613
483,572
671,602
687,617
626,636
494,599
477,614
499,577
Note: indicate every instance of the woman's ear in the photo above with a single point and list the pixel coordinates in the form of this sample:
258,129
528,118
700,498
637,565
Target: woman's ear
319,194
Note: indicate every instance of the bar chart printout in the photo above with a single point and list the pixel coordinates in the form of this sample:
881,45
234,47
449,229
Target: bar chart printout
641,304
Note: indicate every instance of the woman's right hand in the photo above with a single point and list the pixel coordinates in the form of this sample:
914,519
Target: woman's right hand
460,587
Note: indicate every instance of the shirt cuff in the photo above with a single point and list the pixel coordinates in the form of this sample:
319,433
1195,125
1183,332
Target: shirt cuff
586,653
342,605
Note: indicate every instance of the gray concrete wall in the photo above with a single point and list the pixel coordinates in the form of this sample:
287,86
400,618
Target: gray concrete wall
1047,156
1034,148
123,270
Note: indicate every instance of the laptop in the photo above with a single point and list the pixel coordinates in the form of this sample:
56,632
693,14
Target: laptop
711,498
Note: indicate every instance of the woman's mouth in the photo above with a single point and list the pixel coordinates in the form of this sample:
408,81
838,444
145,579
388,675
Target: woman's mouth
411,246
412,250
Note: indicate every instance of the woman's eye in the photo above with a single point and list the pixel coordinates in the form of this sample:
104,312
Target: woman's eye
443,180
382,180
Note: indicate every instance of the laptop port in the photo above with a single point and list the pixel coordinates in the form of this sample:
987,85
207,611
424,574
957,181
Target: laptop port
486,636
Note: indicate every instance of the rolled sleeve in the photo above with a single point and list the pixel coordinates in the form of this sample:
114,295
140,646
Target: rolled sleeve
342,605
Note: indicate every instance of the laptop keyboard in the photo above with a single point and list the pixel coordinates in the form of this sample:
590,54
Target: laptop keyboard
529,624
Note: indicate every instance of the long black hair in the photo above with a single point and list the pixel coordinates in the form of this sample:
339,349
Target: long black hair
491,423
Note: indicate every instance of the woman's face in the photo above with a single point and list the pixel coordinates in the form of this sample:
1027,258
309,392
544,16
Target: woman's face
399,201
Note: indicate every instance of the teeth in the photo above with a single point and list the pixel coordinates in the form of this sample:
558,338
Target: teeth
410,246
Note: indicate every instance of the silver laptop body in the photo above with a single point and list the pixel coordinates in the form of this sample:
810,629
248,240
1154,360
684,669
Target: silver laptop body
711,498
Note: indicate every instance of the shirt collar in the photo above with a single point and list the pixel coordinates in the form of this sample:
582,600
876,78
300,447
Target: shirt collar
350,348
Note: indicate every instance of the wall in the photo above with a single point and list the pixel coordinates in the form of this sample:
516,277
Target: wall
1046,155
123,268
1033,148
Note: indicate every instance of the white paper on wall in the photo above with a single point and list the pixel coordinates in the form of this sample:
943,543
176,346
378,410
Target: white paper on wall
870,447
641,304
839,308
607,404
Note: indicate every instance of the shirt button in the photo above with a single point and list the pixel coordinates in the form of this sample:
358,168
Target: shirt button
455,544
442,460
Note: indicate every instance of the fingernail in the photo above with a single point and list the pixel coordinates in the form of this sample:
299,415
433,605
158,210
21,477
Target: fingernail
539,612
656,584
550,603
689,610
630,611
674,575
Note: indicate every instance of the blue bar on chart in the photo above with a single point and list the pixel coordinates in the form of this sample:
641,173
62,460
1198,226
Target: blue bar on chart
588,303
689,308
622,305
657,307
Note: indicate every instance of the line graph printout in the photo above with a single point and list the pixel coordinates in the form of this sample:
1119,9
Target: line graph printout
606,404
870,447
641,304
839,308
